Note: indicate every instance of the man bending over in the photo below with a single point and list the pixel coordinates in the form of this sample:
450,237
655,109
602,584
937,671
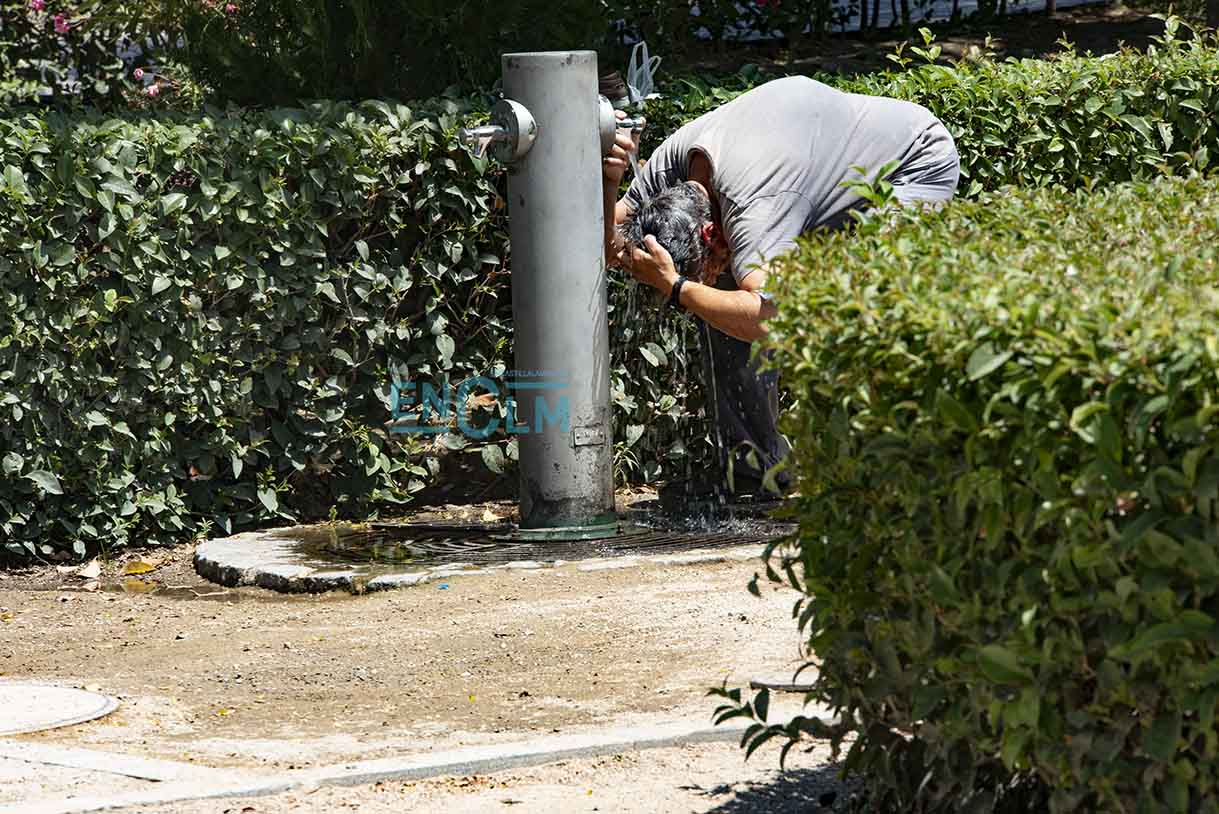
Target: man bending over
732,190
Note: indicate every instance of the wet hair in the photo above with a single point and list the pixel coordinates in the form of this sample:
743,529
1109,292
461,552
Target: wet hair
674,218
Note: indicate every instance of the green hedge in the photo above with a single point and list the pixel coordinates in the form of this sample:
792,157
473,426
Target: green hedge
203,317
1007,442
1068,120
203,313
198,315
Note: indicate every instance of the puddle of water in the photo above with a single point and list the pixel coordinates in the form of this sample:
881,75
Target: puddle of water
131,585
431,544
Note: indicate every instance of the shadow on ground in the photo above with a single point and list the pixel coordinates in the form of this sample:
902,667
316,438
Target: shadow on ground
797,791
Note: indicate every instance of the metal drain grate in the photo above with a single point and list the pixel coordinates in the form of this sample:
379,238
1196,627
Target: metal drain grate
437,544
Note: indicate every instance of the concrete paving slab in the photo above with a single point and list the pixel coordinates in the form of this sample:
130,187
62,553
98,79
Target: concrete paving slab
93,760
24,783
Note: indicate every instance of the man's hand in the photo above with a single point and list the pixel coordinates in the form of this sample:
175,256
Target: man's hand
739,313
614,165
652,265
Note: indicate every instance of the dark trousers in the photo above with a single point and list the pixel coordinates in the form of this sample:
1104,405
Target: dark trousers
744,407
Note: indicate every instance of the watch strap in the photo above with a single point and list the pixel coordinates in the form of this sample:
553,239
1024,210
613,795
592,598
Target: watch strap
675,293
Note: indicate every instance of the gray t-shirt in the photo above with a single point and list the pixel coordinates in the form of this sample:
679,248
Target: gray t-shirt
780,152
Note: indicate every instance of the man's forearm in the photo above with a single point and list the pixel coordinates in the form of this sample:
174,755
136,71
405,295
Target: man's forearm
740,314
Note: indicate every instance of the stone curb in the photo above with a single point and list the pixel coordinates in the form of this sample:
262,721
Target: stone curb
271,559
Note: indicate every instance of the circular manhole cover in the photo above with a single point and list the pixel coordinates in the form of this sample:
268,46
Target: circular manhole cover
35,707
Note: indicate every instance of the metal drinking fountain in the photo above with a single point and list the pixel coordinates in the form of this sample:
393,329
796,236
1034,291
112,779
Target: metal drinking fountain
551,131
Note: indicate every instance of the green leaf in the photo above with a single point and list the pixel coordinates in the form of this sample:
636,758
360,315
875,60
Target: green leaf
159,284
1002,665
12,463
269,499
446,346
954,412
1025,710
1138,123
1190,625
984,360
173,202
63,254
761,704
1081,414
14,179
1162,738
453,441
120,186
46,480
654,354
493,457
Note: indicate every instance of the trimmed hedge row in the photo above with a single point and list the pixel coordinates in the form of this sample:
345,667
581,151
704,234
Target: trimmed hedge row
1069,120
199,316
1007,442
203,314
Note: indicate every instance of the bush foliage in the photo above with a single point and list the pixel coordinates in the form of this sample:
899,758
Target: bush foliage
203,317
63,52
204,313
275,52
1007,442
1069,120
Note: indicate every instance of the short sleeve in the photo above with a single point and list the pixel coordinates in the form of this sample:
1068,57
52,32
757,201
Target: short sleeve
661,171
764,229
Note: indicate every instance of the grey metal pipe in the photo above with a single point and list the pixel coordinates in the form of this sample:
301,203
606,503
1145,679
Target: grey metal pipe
559,305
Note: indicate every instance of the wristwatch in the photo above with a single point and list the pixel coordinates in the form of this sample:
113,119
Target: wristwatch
675,294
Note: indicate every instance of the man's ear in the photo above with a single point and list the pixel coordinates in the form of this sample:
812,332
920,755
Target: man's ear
708,233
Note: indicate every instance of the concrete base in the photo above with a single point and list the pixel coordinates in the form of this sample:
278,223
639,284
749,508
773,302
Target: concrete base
276,560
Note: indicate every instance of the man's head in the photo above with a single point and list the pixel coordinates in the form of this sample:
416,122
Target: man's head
680,220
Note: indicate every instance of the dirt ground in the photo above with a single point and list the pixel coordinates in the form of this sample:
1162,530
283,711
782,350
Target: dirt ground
250,678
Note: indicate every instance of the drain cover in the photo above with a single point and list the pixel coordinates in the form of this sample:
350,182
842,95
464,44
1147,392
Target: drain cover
35,707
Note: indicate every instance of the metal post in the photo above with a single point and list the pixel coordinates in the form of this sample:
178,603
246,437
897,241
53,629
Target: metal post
559,306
